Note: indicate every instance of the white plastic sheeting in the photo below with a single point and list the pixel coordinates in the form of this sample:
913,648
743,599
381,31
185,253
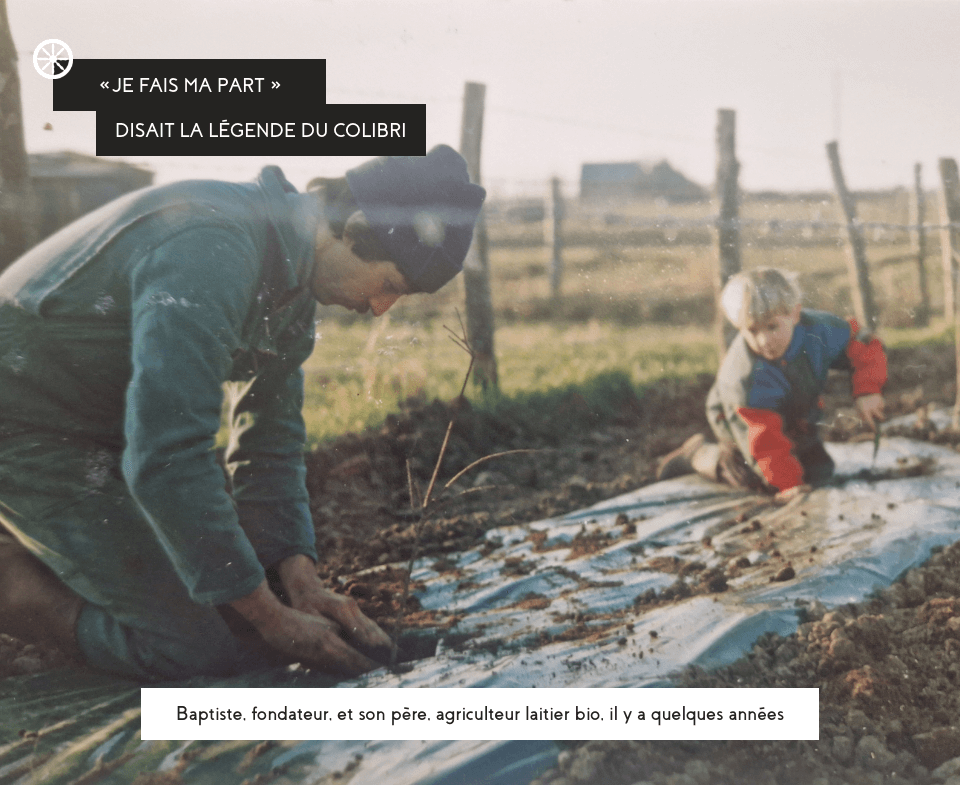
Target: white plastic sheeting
875,521
842,542
532,612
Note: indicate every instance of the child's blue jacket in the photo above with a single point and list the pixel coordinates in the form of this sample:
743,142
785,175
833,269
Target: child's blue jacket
770,410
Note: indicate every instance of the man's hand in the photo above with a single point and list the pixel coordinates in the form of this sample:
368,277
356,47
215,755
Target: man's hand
870,408
308,595
789,494
315,640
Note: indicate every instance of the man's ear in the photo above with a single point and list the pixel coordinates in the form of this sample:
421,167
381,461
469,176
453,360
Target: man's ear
333,185
795,313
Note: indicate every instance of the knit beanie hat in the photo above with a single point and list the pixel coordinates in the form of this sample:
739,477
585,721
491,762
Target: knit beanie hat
423,210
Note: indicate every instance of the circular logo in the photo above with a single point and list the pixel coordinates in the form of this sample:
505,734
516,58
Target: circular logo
52,58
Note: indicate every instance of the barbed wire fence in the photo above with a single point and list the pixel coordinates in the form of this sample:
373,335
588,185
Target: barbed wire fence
671,227
726,226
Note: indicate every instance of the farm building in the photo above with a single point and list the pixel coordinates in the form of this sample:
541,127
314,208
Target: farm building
67,184
635,180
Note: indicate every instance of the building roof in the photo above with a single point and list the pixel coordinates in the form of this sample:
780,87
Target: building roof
637,177
620,172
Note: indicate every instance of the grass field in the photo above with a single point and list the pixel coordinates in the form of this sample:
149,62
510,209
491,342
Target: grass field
635,306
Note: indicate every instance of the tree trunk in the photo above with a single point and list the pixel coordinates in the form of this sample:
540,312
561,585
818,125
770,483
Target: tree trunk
16,198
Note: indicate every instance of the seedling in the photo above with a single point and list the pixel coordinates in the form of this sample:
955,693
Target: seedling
422,507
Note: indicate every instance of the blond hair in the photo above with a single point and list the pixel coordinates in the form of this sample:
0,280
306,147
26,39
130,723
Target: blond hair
752,295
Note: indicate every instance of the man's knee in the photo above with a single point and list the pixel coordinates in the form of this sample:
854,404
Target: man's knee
207,648
35,606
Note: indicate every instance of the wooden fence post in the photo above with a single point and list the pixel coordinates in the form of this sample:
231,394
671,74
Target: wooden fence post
728,219
861,290
17,233
476,270
918,238
948,235
553,223
950,244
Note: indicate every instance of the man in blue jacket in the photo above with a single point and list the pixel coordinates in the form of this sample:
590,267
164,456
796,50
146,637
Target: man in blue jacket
119,541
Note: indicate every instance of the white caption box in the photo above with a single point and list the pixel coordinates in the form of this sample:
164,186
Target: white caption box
482,714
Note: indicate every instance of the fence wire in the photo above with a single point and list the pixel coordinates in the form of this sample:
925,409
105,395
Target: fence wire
771,224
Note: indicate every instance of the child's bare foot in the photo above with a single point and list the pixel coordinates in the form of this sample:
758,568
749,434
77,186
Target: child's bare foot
680,461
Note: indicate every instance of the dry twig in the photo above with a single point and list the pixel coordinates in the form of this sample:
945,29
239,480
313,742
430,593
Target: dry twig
422,508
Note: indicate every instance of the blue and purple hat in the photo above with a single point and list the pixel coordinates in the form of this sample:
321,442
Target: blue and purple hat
423,210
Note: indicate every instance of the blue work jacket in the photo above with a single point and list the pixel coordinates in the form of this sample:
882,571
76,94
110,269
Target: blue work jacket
121,332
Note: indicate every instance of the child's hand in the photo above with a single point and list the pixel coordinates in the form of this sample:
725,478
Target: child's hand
789,494
870,408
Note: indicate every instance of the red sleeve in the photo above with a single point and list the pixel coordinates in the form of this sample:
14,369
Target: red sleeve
771,448
869,364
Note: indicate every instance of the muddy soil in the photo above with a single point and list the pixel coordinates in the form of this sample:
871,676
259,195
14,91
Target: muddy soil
889,677
889,671
571,458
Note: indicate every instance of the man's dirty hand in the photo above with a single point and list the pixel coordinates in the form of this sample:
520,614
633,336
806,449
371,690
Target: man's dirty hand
308,595
871,409
316,641
313,639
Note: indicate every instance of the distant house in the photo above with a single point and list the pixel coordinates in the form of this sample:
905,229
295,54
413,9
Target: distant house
635,180
67,185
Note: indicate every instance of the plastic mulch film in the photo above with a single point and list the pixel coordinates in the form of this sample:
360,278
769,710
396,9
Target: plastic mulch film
623,594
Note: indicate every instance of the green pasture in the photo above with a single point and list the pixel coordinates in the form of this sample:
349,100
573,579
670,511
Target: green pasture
632,310
359,373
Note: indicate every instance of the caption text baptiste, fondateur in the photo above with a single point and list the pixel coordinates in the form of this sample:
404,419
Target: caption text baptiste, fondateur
481,714
492,713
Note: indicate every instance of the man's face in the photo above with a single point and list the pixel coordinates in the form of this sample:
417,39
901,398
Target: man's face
770,336
342,278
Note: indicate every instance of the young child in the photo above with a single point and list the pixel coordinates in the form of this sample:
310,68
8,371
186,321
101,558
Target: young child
765,403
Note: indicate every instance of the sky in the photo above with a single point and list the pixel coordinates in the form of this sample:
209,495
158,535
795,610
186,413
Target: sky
567,81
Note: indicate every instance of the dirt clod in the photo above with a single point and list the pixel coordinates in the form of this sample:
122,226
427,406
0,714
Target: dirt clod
785,574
